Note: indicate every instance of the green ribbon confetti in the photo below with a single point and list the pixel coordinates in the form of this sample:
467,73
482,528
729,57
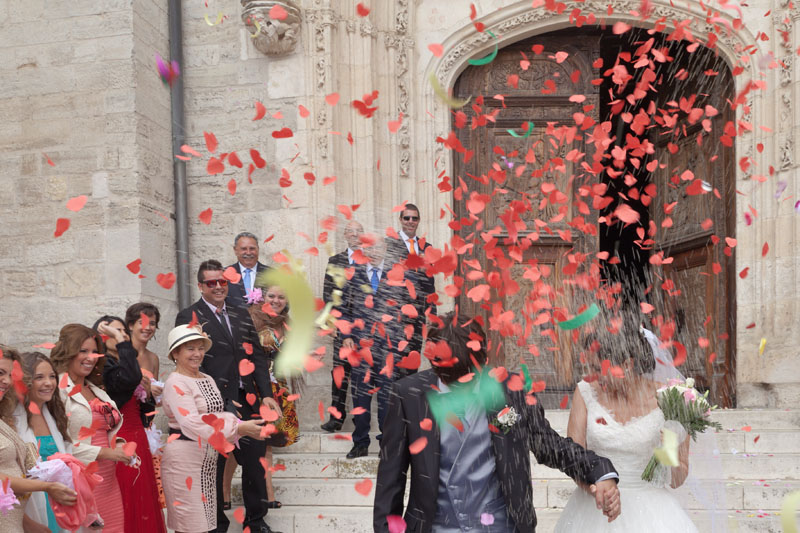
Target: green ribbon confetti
489,395
526,373
527,132
488,59
299,340
580,319
442,94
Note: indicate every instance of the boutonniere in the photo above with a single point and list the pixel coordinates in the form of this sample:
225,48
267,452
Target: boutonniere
506,418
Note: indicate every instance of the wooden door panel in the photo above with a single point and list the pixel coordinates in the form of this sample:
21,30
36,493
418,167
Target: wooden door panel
527,171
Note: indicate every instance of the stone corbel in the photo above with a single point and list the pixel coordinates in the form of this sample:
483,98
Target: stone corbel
271,36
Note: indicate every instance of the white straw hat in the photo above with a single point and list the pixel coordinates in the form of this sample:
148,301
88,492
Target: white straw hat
183,334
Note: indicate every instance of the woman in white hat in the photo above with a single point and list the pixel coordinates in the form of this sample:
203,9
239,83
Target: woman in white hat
194,407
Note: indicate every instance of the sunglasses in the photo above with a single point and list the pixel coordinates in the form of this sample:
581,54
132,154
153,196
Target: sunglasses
409,219
211,283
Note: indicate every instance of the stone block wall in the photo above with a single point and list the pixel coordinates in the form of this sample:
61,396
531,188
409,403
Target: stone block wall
80,88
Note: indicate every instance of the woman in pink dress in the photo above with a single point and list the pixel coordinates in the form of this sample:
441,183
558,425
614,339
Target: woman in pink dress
199,429
93,416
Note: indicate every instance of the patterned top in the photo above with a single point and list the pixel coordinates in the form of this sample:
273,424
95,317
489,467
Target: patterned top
187,399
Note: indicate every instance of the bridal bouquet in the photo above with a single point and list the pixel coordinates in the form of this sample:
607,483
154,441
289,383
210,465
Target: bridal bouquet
682,403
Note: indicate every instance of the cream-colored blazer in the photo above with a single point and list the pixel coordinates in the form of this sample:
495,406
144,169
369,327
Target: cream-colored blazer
80,415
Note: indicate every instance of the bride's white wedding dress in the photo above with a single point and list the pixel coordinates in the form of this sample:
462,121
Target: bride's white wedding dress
646,506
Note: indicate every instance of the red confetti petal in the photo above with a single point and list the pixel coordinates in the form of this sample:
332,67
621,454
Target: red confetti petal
234,160
260,111
134,266
564,402
304,113
77,203
364,487
211,141
283,133
205,216
246,367
436,49
232,275
62,225
765,250
232,186
332,99
277,12
418,445
362,10
215,166
256,157
166,280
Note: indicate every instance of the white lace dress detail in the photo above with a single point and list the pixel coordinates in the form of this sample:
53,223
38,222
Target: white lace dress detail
646,506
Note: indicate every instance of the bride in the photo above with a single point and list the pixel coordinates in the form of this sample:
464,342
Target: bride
614,412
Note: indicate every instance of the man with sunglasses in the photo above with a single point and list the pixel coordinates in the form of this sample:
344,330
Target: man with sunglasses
234,339
408,250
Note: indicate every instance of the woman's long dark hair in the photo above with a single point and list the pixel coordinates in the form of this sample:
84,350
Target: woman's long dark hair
30,360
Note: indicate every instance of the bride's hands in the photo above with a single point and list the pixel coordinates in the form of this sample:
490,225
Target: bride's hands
606,495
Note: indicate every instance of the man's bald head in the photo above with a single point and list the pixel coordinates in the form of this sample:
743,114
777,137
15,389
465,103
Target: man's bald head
352,233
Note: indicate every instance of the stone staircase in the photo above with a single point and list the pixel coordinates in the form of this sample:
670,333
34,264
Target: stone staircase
759,449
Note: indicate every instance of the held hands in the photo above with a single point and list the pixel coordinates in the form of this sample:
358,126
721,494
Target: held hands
606,495
62,494
272,404
251,428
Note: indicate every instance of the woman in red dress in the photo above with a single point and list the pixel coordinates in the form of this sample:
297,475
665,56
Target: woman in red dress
122,377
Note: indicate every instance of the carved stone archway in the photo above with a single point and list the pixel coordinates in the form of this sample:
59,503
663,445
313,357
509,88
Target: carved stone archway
520,21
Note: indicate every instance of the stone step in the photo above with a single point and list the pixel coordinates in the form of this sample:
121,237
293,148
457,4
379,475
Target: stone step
553,493
324,519
739,466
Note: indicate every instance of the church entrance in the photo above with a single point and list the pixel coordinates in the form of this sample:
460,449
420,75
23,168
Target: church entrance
540,208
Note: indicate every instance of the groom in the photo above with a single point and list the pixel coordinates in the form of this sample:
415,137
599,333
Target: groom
474,469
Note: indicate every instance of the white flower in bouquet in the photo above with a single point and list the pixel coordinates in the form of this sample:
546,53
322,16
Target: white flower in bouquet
682,403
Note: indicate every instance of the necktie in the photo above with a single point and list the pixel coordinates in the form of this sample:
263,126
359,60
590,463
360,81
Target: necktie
412,249
222,316
373,280
247,286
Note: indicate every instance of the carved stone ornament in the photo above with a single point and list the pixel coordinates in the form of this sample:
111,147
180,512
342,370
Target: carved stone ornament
270,36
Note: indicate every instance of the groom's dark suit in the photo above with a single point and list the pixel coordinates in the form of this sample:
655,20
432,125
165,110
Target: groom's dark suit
531,433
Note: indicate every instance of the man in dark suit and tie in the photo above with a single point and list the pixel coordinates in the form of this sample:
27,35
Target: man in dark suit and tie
342,260
408,250
470,454
234,341
245,246
373,306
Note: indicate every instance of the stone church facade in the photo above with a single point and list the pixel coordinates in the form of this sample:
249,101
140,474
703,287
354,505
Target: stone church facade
85,113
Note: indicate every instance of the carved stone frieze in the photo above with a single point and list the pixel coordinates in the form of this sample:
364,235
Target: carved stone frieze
271,36
401,16
321,68
367,29
787,152
468,46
